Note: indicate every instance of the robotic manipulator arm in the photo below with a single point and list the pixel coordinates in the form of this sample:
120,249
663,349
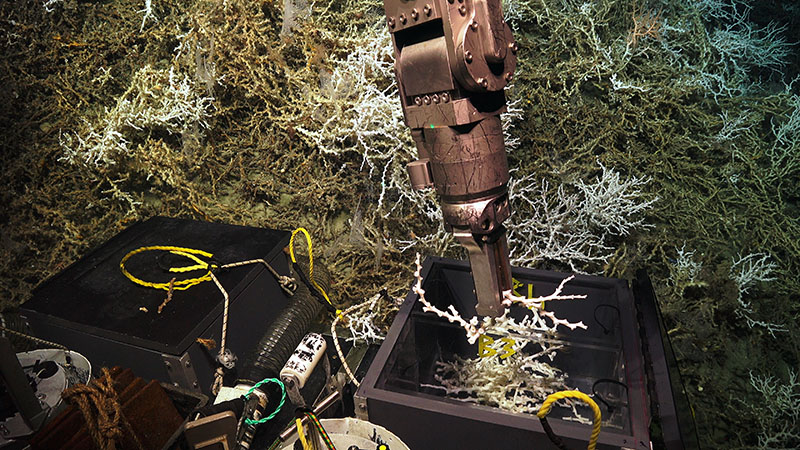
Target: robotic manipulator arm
453,59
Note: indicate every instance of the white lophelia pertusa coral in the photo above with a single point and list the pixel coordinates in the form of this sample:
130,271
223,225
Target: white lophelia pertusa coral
516,382
475,327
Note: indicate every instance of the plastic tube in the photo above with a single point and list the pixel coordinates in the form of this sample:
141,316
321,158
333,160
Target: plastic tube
286,331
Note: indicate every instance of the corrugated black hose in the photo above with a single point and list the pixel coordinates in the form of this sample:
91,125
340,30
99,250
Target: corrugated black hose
286,331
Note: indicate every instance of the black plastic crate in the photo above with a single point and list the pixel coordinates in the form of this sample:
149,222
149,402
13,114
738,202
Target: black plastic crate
393,393
92,308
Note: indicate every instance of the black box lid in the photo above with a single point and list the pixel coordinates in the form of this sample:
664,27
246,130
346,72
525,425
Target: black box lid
93,295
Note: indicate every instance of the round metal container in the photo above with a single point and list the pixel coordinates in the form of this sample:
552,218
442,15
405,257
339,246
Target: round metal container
348,432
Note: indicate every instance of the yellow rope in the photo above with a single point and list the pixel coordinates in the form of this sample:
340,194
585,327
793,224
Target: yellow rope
199,266
596,422
310,259
302,434
181,285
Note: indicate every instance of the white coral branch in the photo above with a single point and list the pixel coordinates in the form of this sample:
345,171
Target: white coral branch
476,327
148,13
536,302
471,327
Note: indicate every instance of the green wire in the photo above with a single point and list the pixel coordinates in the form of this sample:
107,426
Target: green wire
275,444
277,409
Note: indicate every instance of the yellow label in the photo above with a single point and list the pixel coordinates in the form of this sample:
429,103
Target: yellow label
508,348
518,284
485,348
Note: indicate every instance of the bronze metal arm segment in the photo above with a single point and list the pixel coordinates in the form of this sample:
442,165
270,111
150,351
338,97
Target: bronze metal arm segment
453,60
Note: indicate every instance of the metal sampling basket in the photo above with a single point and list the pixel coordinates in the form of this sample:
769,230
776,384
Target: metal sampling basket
403,391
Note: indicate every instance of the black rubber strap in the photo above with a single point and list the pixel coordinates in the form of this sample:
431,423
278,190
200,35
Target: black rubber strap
550,434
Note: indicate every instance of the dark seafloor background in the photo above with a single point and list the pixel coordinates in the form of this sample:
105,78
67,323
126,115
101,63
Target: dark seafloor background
657,134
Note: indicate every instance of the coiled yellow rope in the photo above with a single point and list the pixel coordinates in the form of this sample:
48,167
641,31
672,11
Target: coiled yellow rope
596,422
180,285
